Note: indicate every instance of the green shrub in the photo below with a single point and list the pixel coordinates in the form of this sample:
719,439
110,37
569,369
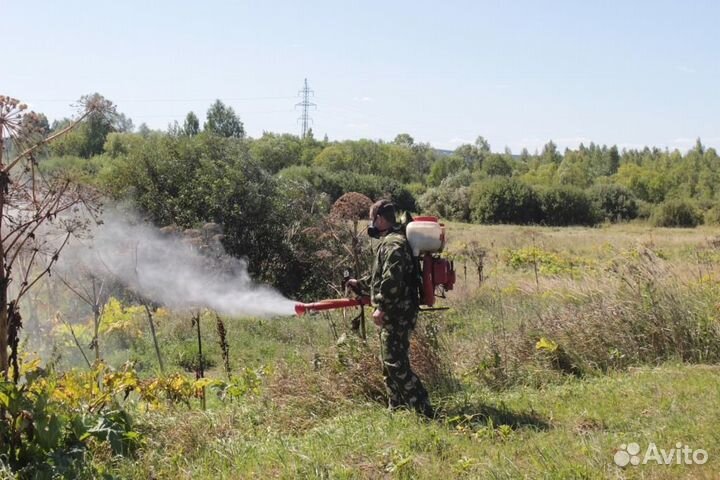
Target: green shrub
676,213
450,203
567,205
44,435
712,216
504,200
335,184
190,362
614,202
549,263
401,196
645,209
275,152
416,188
496,165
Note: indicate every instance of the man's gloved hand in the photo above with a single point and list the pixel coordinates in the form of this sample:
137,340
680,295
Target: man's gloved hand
379,317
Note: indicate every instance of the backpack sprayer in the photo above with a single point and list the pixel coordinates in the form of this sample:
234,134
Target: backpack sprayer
426,237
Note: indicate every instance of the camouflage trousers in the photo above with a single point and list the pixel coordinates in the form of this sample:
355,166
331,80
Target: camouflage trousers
404,388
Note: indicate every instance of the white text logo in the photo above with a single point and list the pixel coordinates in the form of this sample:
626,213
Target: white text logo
629,454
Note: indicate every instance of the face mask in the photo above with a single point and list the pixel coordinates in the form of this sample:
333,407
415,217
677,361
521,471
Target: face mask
373,231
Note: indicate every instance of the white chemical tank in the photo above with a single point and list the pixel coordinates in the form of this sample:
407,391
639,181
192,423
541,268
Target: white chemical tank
425,235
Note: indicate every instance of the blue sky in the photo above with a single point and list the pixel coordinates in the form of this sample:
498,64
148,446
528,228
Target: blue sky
631,73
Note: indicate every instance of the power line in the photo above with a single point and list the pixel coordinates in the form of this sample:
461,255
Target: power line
163,100
305,94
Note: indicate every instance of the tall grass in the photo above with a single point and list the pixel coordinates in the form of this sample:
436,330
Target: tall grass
636,310
349,371
527,371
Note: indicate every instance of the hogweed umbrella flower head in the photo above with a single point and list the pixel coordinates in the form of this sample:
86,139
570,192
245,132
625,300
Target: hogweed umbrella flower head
351,206
11,116
22,127
96,106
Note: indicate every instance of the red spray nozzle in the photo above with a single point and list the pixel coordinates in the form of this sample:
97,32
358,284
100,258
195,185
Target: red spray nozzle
332,304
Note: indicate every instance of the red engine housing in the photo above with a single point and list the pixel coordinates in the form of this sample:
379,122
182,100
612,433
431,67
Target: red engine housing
437,273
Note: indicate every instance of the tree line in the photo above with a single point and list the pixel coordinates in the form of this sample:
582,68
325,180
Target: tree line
270,193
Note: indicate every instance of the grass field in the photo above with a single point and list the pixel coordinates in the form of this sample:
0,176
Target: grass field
577,341
567,431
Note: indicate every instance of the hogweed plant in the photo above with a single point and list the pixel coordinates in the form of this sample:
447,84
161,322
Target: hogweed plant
38,213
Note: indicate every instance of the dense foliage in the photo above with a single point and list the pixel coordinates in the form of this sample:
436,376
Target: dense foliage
676,213
614,202
280,186
504,200
565,205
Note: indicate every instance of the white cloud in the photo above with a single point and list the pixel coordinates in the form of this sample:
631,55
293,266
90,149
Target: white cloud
364,99
685,69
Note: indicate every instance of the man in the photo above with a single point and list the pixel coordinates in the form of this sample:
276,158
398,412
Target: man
393,292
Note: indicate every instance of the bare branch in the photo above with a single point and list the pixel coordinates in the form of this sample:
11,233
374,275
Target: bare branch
46,270
77,342
44,142
28,203
30,235
29,267
73,290
40,215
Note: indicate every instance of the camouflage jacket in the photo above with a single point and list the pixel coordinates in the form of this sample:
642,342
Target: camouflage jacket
393,288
